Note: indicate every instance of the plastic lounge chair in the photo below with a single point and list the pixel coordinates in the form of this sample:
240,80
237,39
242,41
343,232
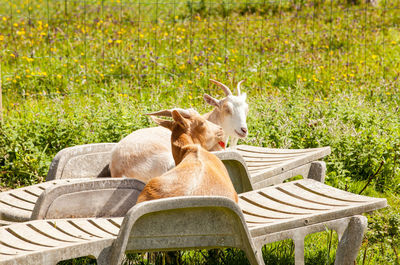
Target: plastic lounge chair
288,210
266,167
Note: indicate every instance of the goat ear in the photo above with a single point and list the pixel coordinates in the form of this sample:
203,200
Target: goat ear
244,95
212,101
181,121
164,123
186,113
165,113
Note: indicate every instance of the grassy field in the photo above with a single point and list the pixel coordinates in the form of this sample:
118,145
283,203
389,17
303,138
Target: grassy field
318,73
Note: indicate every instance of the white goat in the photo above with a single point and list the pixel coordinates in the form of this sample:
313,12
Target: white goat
146,153
230,113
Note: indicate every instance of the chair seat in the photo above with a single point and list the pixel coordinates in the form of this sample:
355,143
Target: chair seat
50,241
298,203
264,163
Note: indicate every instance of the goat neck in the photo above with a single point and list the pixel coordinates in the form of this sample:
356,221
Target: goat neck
182,144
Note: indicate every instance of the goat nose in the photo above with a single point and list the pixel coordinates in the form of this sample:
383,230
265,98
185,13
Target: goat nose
244,130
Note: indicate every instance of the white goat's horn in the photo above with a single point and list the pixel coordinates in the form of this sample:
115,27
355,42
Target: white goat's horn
224,87
186,113
238,86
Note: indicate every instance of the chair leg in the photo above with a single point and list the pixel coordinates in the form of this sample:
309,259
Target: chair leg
103,257
351,240
317,171
299,250
255,257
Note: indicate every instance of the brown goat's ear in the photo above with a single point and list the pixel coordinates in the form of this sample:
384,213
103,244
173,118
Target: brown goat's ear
165,113
179,119
164,123
212,101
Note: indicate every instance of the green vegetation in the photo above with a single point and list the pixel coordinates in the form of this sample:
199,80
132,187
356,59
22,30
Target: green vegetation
318,73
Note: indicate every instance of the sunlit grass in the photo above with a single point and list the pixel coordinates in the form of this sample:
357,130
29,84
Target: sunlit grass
95,46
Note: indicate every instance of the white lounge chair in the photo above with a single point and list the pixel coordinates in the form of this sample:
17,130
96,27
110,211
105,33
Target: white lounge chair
288,210
249,167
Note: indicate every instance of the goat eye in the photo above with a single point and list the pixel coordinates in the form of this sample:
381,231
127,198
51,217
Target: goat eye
228,110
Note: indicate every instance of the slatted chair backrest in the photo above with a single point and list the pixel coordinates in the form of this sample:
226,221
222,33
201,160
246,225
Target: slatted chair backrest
95,198
194,222
81,161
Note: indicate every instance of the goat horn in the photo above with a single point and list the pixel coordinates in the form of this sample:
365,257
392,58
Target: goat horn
224,87
238,86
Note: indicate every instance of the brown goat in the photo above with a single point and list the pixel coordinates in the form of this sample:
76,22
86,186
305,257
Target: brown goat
198,172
